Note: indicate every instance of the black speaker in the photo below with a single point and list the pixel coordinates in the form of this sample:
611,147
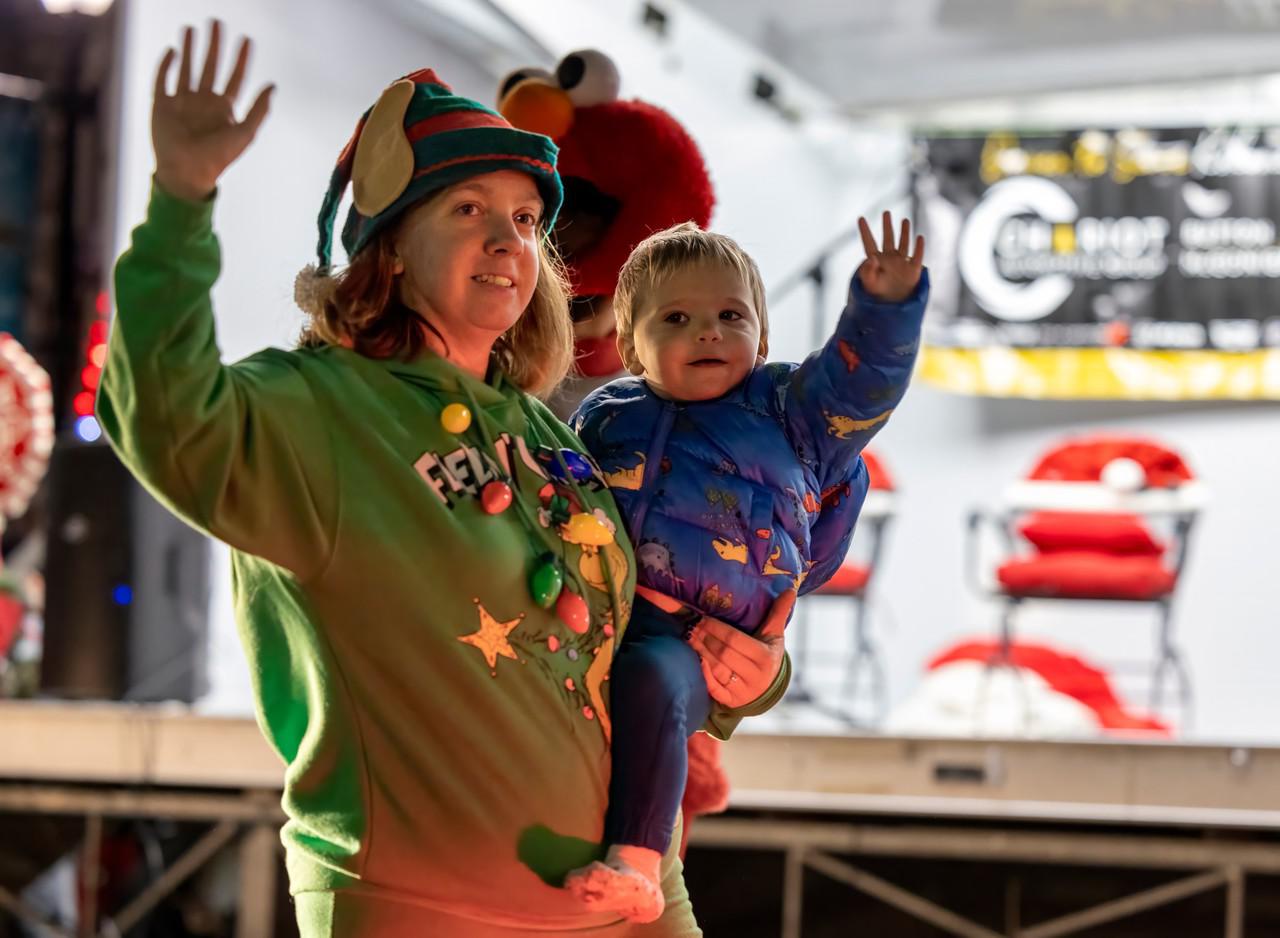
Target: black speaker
126,586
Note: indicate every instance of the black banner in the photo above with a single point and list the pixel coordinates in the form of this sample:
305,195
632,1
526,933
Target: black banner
1145,240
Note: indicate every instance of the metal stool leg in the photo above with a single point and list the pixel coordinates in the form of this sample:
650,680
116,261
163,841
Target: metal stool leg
1169,659
865,652
799,691
1002,657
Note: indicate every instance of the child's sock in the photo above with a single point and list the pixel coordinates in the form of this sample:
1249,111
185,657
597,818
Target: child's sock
627,882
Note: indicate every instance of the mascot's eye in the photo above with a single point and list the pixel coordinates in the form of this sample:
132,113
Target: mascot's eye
522,75
589,77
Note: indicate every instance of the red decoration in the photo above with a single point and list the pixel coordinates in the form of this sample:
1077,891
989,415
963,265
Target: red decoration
1083,459
496,497
573,611
1065,673
26,426
11,613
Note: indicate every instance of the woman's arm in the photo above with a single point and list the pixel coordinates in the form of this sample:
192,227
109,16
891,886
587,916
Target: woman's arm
237,451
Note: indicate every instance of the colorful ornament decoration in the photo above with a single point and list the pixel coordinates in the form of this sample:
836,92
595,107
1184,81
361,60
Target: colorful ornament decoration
573,611
496,497
556,506
578,466
26,426
546,581
456,418
492,637
559,506
587,530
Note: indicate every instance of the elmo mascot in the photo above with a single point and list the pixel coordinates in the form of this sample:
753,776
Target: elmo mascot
629,169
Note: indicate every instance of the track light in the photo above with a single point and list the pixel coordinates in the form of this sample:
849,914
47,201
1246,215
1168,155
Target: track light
89,7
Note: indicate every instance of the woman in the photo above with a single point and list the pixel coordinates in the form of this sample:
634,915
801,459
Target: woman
429,577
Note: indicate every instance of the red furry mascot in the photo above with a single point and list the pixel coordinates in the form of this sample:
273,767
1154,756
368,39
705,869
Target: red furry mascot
629,169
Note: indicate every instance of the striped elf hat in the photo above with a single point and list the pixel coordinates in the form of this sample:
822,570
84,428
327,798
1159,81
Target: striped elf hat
417,138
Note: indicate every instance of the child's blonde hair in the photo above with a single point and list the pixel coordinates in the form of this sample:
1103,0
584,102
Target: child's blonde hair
663,253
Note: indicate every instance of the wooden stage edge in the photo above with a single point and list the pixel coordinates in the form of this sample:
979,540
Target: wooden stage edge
1110,782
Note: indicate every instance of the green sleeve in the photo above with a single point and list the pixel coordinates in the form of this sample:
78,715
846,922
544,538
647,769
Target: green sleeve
723,721
238,451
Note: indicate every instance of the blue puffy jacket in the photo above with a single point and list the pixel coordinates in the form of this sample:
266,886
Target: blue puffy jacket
731,501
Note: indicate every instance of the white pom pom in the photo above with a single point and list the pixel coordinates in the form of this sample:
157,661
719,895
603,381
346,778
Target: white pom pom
1124,475
312,289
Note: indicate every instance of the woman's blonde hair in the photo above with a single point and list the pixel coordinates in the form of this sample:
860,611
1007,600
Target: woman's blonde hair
361,310
661,254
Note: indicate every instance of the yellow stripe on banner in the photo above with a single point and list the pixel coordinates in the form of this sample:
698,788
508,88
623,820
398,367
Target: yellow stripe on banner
1110,374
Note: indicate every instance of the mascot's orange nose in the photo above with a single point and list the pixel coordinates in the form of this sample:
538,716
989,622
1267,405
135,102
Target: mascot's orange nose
538,108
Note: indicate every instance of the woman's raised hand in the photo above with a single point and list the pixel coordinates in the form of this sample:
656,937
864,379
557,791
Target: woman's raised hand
194,130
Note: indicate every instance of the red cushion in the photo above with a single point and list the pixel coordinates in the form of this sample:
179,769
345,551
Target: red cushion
877,475
1110,533
850,580
1082,575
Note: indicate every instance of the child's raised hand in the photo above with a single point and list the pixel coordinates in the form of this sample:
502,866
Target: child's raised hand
194,130
890,274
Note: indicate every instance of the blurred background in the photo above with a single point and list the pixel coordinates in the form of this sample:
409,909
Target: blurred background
1058,618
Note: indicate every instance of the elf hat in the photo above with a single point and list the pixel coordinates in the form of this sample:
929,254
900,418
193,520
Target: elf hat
420,137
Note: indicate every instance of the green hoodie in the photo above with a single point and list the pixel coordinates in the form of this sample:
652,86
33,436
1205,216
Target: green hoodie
446,739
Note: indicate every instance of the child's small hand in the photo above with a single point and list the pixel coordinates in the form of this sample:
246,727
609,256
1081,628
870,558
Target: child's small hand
890,274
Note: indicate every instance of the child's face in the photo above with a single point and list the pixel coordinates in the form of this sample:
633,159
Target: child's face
695,335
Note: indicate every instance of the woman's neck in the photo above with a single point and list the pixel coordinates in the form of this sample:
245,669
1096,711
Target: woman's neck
469,352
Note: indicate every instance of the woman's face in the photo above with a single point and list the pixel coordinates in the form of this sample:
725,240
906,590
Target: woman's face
469,259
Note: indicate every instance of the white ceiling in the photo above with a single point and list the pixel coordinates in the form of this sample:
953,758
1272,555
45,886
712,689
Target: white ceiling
898,54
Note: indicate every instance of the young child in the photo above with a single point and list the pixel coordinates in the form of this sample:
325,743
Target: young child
737,481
